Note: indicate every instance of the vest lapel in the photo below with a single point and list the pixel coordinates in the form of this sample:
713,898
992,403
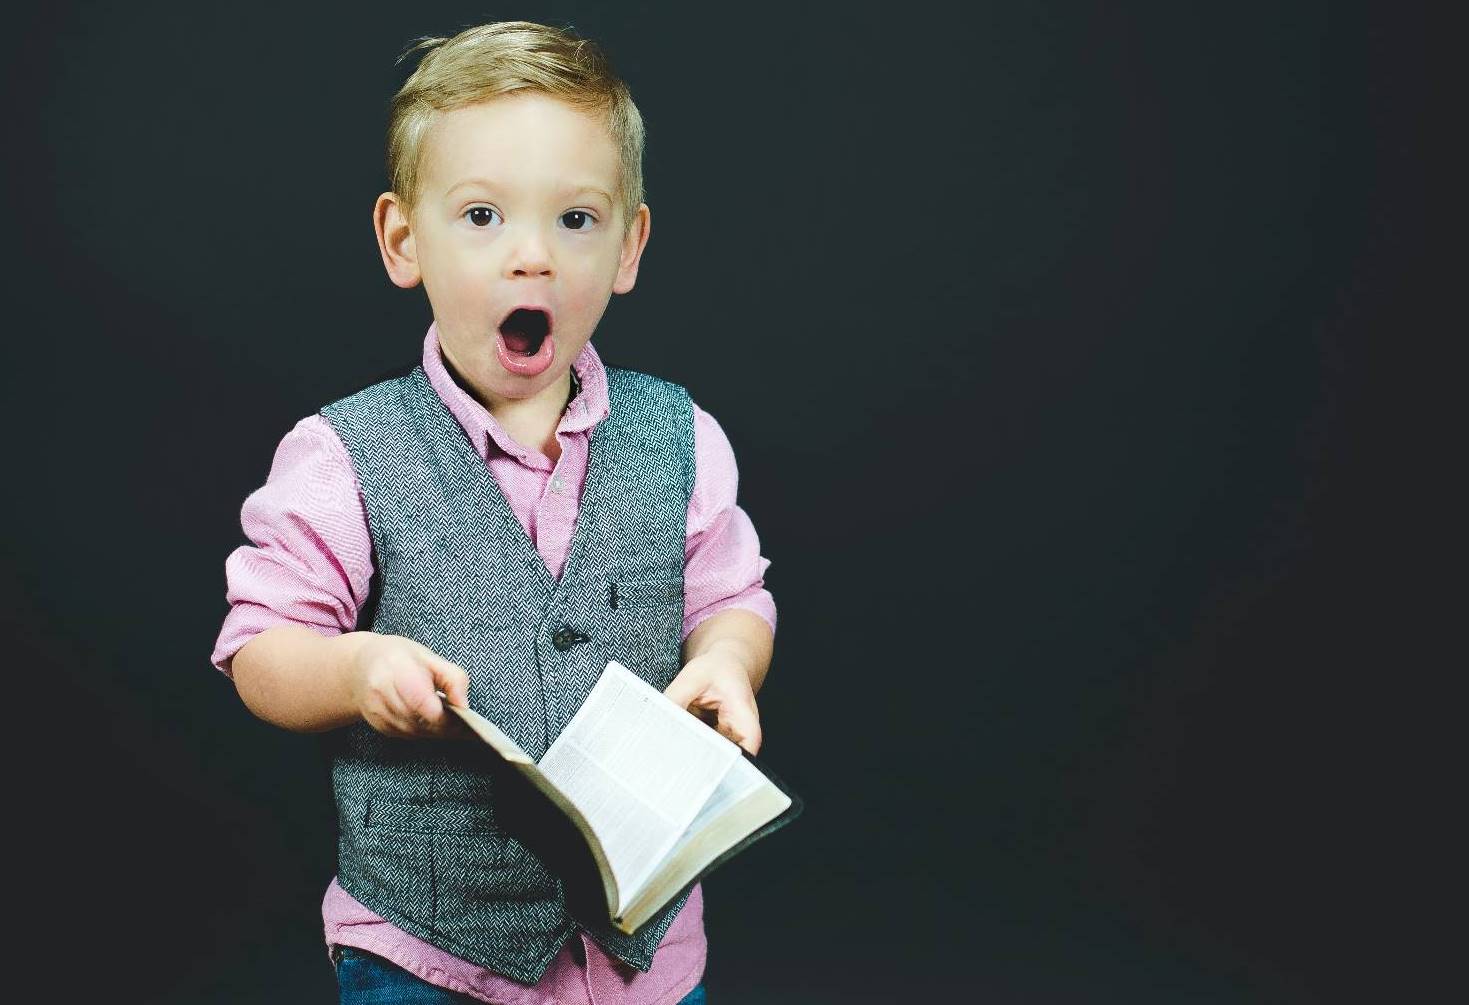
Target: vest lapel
489,494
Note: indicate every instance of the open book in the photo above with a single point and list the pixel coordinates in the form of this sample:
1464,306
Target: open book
659,797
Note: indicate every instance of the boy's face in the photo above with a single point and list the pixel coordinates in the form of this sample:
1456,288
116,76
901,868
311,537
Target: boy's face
517,209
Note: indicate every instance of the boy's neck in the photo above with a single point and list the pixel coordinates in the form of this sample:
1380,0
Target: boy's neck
531,422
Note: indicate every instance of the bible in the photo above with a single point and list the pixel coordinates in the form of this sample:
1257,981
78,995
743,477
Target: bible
659,797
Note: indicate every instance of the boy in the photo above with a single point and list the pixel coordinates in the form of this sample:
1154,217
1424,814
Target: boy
496,524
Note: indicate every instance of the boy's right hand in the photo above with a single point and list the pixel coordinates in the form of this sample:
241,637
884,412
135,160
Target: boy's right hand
393,680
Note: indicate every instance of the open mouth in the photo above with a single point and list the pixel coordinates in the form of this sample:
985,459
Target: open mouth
524,330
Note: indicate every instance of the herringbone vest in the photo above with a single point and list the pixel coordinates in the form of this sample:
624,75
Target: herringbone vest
455,570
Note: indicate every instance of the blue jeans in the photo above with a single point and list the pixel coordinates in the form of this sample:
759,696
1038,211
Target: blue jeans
365,978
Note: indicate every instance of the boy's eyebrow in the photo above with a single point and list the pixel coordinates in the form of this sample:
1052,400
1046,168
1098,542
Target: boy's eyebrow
486,183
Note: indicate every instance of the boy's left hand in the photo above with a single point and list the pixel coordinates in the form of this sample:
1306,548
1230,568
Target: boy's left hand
715,687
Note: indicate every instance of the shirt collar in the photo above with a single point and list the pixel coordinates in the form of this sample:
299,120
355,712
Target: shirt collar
588,406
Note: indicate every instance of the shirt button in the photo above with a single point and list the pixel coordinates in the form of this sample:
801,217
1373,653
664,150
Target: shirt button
557,485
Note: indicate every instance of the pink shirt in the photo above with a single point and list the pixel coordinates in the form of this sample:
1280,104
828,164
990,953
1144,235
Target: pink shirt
311,563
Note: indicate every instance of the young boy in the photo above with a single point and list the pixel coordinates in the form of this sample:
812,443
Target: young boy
496,524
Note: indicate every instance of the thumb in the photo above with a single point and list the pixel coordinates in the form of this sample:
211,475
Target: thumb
740,723
450,679
684,689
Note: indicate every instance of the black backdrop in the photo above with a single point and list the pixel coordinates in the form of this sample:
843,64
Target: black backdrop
1053,342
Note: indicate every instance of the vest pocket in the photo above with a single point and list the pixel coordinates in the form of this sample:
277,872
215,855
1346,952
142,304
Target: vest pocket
644,592
388,870
492,881
429,818
644,621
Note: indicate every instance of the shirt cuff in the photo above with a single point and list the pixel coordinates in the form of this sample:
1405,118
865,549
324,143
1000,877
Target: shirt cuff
245,621
756,599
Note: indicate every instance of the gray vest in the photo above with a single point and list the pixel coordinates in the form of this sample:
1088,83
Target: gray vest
455,570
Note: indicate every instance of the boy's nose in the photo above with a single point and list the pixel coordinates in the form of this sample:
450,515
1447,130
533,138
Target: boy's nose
530,256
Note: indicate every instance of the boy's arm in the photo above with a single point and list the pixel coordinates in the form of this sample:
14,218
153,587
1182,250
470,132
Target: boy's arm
739,636
309,557
269,673
729,621
294,678
295,591
725,660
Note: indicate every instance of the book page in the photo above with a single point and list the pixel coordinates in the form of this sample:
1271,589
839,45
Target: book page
744,801
737,783
639,768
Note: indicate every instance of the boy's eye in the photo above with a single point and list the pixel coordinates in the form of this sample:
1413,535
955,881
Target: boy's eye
578,219
480,215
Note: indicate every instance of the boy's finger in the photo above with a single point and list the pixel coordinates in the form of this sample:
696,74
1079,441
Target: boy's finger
393,704
447,676
453,727
683,690
452,680
419,700
740,725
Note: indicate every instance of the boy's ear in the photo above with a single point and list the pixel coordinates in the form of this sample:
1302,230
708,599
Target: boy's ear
632,250
395,241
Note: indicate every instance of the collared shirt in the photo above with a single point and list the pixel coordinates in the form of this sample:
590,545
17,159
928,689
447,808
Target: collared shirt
310,564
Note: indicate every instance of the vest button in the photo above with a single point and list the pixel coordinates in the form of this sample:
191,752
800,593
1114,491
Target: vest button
566,637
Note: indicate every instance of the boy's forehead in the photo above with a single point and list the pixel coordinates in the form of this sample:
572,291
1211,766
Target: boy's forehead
520,139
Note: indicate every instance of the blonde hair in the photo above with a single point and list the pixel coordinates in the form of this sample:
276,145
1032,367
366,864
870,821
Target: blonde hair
491,60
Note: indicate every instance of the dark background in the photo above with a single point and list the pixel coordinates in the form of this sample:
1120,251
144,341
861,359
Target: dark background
1066,352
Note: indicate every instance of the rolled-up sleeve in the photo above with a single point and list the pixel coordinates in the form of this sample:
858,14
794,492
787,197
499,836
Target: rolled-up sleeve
723,567
310,558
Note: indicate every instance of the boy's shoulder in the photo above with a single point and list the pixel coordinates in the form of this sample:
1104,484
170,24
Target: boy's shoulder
626,379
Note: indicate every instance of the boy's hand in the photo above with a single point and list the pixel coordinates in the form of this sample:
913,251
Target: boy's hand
715,687
393,684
